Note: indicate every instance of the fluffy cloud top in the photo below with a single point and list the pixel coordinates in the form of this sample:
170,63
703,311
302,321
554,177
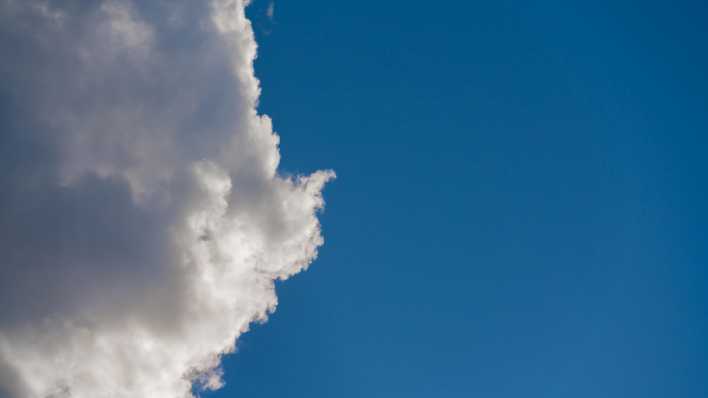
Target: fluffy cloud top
142,219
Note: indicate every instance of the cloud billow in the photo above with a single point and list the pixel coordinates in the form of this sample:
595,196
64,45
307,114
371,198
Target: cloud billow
142,218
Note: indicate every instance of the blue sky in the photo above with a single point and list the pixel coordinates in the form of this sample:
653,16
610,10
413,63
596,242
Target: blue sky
520,207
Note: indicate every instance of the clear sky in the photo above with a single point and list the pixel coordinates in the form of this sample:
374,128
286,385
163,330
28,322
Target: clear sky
520,209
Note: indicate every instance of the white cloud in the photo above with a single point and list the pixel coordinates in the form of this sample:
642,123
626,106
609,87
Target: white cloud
142,218
270,11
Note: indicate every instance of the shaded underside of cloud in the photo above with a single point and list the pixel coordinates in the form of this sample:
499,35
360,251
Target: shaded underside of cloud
142,218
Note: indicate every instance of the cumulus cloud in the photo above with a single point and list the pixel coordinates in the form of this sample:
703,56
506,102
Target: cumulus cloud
142,218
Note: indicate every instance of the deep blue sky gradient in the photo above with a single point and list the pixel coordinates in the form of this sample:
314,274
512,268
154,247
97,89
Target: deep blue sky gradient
521,206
